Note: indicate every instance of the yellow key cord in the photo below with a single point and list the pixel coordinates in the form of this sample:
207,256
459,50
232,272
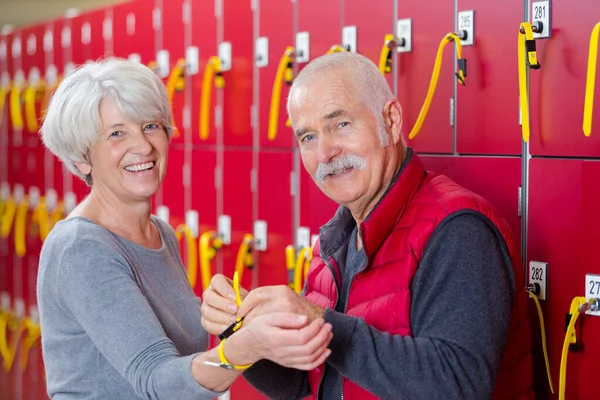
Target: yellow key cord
526,43
192,252
211,72
588,107
285,72
462,73
543,329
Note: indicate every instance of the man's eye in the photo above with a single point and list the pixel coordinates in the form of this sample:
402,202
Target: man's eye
343,124
307,138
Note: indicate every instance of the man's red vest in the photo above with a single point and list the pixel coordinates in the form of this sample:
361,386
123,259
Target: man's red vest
394,237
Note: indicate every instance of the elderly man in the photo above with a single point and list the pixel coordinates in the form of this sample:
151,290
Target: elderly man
419,278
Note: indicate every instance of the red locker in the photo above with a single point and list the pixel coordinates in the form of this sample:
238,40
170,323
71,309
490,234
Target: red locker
372,24
476,173
133,32
204,195
275,206
487,108
100,36
316,208
172,186
275,19
172,35
204,31
414,74
561,211
237,94
557,89
237,204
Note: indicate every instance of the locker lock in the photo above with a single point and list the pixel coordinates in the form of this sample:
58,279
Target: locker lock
536,27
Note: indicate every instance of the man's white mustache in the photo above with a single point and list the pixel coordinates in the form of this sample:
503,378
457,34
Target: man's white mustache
338,164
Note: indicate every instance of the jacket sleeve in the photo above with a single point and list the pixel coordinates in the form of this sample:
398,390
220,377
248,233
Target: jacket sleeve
462,296
277,382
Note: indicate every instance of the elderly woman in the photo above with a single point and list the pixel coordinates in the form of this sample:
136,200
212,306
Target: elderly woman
119,319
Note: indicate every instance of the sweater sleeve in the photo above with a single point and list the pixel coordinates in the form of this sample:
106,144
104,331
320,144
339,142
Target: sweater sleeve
462,296
98,289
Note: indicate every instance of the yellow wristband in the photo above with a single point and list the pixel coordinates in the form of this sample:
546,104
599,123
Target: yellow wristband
224,360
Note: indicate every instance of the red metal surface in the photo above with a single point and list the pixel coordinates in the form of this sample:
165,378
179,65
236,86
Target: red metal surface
172,186
204,197
99,44
561,217
275,207
138,36
557,88
204,31
372,24
414,73
276,19
237,94
476,173
487,108
173,29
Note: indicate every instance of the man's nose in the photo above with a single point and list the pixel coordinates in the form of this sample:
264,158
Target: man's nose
327,149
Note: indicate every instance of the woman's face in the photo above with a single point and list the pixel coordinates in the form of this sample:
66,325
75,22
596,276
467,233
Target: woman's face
129,161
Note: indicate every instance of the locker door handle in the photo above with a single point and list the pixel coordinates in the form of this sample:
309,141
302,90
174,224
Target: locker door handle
16,113
336,48
210,242
41,217
385,57
285,72
8,217
33,92
176,82
20,227
34,332
244,257
461,75
192,251
588,107
212,71
3,93
526,44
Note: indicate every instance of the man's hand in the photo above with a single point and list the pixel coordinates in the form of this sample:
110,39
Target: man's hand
269,299
284,338
218,304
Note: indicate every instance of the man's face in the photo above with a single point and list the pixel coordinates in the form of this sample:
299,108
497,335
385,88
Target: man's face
339,140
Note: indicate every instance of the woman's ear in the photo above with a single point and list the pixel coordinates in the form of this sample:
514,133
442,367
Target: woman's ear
83,167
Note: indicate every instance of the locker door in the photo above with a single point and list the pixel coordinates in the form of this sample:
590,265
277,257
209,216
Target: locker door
132,30
414,74
487,108
557,89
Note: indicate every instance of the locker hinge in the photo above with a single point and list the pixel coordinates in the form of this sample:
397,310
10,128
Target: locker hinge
520,207
452,111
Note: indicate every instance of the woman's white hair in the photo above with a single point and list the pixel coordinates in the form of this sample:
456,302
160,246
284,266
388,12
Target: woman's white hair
369,85
72,123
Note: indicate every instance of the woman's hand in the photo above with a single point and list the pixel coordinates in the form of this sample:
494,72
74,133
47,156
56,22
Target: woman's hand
218,304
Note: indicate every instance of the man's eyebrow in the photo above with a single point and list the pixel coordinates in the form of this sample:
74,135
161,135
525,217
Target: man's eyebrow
334,114
301,132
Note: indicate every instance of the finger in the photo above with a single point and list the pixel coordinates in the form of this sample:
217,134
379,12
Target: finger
309,366
212,299
283,320
218,316
305,344
223,286
260,296
212,327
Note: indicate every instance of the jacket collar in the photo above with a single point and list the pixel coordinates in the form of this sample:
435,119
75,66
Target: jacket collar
381,220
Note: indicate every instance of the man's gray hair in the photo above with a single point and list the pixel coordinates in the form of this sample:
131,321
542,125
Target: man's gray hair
370,87
72,123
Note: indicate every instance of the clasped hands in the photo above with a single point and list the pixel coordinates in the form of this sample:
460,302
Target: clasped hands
279,325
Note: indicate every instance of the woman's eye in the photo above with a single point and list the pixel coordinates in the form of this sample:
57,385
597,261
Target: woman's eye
116,134
151,127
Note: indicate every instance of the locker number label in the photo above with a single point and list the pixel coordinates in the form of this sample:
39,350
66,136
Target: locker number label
540,11
466,26
592,290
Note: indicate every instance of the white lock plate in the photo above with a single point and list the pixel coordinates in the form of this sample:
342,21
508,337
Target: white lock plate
31,44
130,24
302,237
162,63
538,273
162,212
349,37
313,240
540,11
16,47
302,47
20,307
261,56
65,37
465,21
135,57
224,228
70,202
260,235
34,313
5,301
192,56
34,197
404,31
107,29
19,193
34,76
51,74
191,220
51,199
4,190
48,40
225,56
86,33
592,290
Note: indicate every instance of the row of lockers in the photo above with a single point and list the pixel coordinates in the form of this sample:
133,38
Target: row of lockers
242,175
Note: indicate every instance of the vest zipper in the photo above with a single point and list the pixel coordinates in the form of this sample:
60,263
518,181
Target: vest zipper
337,299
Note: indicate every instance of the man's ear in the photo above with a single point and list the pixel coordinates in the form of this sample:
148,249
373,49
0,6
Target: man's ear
392,114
